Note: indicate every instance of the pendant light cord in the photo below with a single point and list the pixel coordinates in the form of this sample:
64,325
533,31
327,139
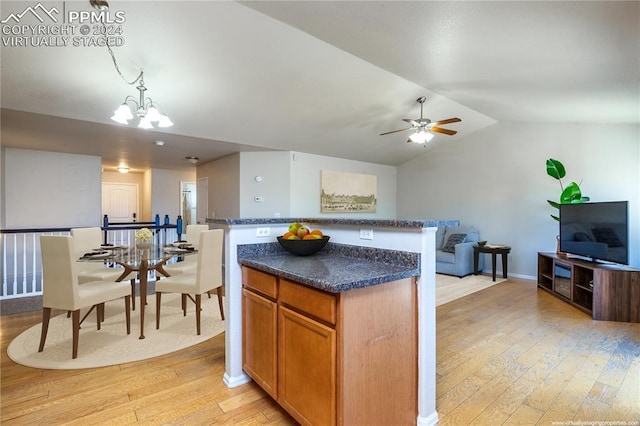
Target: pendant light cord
115,64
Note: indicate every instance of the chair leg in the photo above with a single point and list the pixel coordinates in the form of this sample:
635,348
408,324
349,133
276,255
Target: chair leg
198,309
76,332
184,305
158,295
127,312
219,291
99,313
46,315
133,295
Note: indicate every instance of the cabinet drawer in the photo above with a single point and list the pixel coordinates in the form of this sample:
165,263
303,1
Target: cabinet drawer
261,282
313,302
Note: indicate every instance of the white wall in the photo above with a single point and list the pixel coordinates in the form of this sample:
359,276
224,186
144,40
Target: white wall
49,189
166,194
496,180
273,168
305,185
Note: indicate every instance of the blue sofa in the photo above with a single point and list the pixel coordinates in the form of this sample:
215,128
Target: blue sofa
454,250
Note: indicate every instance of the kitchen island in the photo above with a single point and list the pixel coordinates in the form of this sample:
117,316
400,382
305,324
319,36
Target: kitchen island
383,236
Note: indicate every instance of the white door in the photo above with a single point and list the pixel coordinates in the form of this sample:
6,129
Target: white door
120,202
202,199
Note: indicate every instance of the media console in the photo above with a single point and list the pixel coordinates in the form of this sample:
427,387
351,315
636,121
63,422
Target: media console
606,292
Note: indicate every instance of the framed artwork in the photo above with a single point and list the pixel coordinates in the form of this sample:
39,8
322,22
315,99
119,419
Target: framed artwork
343,192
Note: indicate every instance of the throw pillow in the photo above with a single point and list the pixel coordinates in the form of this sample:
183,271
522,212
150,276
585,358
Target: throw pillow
450,245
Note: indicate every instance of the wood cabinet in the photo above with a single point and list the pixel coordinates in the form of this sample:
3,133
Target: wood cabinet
347,358
606,292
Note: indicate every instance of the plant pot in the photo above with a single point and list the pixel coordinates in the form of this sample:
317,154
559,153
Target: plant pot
144,244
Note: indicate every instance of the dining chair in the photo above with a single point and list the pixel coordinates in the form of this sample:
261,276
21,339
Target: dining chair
189,264
208,276
84,241
60,288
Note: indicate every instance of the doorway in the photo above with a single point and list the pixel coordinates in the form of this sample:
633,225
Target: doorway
188,203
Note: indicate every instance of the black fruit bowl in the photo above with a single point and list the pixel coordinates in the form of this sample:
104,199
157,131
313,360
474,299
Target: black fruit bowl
303,247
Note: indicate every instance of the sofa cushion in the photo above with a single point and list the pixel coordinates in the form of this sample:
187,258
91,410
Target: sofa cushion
440,237
452,240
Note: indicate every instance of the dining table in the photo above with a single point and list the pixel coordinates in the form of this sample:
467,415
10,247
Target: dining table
140,259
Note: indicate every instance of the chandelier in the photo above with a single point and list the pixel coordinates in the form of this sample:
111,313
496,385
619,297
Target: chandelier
145,109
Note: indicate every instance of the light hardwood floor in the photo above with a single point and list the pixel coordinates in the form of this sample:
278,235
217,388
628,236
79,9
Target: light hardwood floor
508,354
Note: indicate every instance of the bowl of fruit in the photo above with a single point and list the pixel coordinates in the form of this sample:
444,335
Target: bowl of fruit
302,241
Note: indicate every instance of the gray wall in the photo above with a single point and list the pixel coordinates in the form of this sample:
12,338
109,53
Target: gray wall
166,192
305,185
274,170
50,189
496,180
224,186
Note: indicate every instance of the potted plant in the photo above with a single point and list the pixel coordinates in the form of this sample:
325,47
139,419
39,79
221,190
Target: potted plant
570,194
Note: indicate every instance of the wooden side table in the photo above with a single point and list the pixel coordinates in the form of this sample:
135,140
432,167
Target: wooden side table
493,249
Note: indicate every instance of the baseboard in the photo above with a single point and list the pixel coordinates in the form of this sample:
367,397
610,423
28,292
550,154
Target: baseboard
429,420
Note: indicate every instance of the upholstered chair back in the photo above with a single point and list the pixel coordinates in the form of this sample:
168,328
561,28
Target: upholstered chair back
85,240
209,273
193,234
60,280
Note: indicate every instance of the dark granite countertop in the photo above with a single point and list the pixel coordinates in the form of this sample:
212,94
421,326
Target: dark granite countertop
336,268
392,223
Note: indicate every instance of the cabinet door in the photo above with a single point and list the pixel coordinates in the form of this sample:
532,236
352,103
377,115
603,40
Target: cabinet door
259,340
306,368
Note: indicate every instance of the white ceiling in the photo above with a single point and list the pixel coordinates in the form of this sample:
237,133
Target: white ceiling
321,77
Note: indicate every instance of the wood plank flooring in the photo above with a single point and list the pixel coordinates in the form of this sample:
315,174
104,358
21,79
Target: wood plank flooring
508,354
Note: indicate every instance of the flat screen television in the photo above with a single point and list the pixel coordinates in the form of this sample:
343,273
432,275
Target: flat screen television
599,231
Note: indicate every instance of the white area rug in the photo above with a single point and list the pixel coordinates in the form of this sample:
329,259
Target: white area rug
449,288
111,345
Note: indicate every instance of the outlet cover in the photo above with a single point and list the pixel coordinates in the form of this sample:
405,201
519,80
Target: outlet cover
366,234
263,232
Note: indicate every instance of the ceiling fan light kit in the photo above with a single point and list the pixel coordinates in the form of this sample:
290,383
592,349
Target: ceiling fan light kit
424,127
421,137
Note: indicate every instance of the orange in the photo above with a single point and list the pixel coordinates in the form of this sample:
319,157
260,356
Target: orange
309,237
316,232
287,234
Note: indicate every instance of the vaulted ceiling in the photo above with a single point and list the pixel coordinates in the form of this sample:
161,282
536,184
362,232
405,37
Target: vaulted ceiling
320,77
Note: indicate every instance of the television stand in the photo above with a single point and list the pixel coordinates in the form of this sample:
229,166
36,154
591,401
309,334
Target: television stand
603,291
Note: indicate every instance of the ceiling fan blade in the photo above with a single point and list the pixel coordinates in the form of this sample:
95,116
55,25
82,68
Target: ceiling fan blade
441,130
413,122
447,121
395,131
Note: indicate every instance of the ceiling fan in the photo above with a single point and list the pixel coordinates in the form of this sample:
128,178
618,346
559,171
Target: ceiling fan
423,126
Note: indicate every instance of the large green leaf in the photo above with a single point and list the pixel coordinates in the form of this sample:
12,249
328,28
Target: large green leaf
554,204
571,194
555,169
